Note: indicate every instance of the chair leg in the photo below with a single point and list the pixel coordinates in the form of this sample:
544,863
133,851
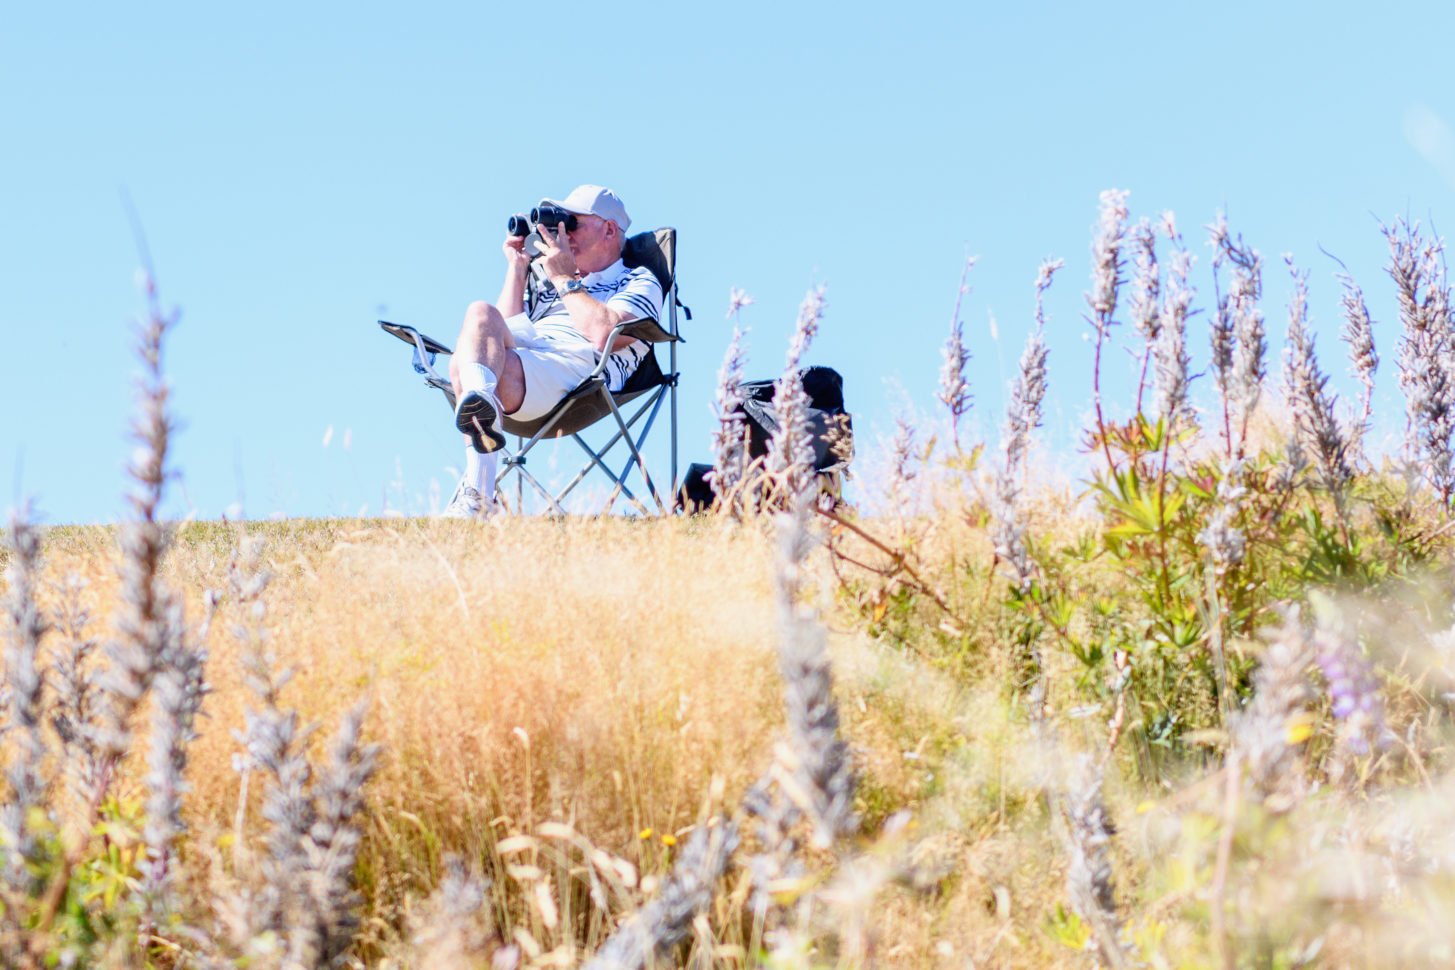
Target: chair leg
523,448
598,459
526,476
636,456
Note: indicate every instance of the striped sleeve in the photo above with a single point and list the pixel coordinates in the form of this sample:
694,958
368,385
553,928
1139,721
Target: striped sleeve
621,365
641,297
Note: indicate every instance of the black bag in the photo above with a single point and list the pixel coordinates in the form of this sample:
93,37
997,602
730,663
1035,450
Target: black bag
829,425
695,494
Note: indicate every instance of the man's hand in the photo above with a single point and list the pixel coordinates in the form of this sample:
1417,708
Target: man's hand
557,260
516,258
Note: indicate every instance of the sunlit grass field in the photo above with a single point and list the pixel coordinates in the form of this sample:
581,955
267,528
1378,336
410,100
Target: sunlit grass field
617,676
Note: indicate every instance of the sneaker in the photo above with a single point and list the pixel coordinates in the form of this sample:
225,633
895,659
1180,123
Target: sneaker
478,415
469,503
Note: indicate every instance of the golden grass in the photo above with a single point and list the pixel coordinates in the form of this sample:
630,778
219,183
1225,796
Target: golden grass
602,673
597,672
623,663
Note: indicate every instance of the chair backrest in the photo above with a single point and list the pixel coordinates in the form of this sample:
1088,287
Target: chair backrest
657,251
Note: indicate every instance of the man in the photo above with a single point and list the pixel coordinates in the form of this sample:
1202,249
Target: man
521,361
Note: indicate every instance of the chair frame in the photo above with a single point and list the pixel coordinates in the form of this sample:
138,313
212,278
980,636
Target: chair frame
592,398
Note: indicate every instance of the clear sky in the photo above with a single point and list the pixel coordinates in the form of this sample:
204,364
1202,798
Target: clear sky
302,169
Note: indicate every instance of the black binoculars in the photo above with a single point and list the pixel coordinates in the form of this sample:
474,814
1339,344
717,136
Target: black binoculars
549,216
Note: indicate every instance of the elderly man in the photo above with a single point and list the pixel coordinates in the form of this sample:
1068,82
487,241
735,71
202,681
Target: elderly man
521,361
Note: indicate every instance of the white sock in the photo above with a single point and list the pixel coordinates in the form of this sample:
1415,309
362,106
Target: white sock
477,377
487,475
480,473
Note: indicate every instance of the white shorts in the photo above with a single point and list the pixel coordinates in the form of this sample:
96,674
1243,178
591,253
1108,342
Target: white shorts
553,368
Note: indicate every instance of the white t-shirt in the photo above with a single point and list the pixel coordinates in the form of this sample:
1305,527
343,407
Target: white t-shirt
634,292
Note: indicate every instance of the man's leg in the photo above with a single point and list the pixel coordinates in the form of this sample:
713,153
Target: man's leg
486,341
487,378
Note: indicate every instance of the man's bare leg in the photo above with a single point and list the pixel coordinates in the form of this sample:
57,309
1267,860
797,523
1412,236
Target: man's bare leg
486,340
485,362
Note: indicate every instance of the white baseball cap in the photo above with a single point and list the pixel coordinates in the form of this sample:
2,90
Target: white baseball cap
595,200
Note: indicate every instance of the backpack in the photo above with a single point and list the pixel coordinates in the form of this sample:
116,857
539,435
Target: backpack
830,427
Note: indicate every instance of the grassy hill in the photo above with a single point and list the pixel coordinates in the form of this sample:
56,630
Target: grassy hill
1195,713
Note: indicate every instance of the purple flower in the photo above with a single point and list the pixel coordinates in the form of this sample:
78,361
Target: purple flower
1353,688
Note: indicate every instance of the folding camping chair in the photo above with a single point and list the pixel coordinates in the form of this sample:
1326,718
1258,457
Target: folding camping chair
590,402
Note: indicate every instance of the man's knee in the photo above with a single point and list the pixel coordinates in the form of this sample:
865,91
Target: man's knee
482,317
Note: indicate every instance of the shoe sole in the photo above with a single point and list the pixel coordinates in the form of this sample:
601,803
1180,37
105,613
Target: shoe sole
476,418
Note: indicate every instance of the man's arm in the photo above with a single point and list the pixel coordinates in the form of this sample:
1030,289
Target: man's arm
593,318
589,315
517,268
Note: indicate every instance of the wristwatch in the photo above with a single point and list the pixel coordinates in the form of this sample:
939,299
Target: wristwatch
573,285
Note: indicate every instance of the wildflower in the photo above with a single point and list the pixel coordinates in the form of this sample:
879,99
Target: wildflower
820,767
1251,347
1222,327
179,689
24,769
666,920
1354,697
1358,333
954,391
1106,277
737,299
1426,355
74,713
812,775
1023,415
333,841
1044,275
307,896
1106,260
1171,350
455,928
1223,540
903,450
1260,732
1239,344
145,623
1088,845
1145,310
728,440
790,452
1313,408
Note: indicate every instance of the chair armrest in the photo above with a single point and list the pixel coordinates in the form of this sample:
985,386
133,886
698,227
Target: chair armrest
639,329
424,350
648,330
616,331
414,338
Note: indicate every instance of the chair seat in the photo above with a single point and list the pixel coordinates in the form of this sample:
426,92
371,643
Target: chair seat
587,403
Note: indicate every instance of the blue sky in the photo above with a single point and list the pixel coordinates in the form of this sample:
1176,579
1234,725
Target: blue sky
301,170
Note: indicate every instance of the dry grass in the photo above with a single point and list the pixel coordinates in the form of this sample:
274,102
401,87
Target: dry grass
603,673
599,673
